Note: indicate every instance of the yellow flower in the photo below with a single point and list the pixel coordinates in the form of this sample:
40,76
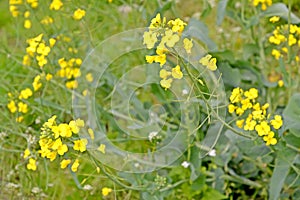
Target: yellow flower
33,3
27,24
280,83
150,59
32,164
56,5
25,94
156,21
47,20
60,147
51,155
187,45
292,40
22,107
101,148
43,49
36,83
89,77
63,130
80,145
78,14
26,60
64,163
164,74
166,83
277,122
26,14
231,108
49,77
209,62
274,19
91,133
12,106
269,139
72,84
106,191
251,94
149,39
75,166
236,95
161,59
276,54
26,153
177,25
170,39
263,128
240,123
19,119
176,72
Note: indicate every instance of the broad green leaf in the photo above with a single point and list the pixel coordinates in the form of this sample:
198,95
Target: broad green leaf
280,10
291,115
221,11
230,75
199,30
211,193
284,160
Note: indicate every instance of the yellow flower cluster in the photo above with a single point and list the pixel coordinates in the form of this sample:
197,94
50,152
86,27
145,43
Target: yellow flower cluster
284,36
257,117
54,137
264,3
15,10
161,36
38,50
70,70
18,103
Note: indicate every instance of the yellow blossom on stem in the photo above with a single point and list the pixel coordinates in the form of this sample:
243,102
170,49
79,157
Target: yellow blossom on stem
80,145
269,139
75,166
106,191
91,133
63,130
187,45
176,72
22,107
64,163
101,148
170,39
150,39
277,122
25,94
280,83
166,83
78,14
164,73
31,164
26,153
56,5
274,19
12,106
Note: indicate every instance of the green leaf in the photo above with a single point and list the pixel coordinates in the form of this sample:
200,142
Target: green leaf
221,11
280,10
211,193
200,31
230,75
250,50
285,159
291,115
